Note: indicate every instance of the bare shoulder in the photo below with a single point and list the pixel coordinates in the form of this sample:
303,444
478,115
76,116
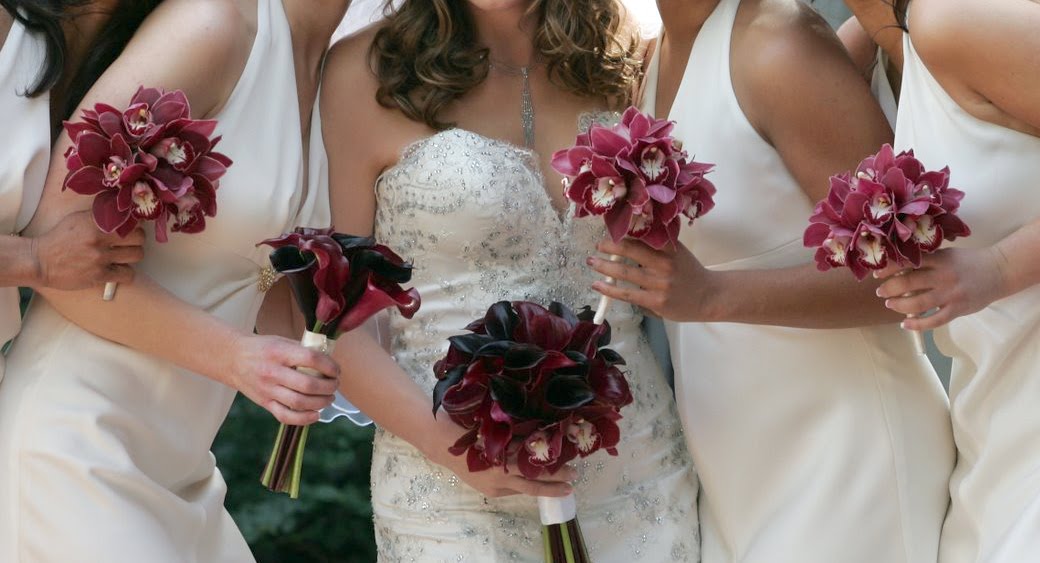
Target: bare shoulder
783,35
199,46
349,104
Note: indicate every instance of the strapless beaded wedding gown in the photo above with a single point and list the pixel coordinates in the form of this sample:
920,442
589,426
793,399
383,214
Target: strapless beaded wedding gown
474,216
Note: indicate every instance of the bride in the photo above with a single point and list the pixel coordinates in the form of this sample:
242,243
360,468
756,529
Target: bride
439,124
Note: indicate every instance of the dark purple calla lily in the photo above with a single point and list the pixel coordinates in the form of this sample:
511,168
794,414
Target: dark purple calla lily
339,280
890,210
635,175
534,384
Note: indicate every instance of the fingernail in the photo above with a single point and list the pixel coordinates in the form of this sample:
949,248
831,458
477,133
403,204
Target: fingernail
878,292
876,274
888,303
590,261
902,325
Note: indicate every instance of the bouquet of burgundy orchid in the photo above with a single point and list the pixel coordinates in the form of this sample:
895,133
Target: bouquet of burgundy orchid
638,177
536,385
149,162
891,210
338,281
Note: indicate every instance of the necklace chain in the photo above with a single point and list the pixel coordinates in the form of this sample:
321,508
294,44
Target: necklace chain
526,103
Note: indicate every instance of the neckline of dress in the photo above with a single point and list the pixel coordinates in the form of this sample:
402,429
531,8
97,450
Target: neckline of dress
529,160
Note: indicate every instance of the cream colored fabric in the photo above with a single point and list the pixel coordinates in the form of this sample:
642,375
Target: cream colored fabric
995,489
104,451
25,144
813,446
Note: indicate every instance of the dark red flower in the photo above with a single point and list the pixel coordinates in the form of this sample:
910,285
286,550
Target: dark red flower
150,162
339,281
636,175
890,210
532,383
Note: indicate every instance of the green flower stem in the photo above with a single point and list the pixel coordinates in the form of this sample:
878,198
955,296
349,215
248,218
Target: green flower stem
269,471
297,470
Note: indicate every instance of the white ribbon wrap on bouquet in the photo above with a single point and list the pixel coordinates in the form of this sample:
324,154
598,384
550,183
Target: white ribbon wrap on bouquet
557,510
341,406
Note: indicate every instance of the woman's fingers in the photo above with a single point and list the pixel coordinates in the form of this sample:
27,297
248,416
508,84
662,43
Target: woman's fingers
285,415
623,272
300,402
307,384
918,304
539,488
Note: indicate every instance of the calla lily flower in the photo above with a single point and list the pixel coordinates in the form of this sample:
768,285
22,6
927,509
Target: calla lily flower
340,281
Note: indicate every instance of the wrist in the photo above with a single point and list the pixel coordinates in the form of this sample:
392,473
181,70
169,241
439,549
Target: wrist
23,268
1011,280
713,307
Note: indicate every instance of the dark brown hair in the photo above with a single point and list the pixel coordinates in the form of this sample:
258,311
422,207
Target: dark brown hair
426,55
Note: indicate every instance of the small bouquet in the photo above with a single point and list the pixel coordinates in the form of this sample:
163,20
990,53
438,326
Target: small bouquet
338,281
891,210
149,162
638,177
537,385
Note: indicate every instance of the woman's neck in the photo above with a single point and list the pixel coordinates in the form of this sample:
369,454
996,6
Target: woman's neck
507,33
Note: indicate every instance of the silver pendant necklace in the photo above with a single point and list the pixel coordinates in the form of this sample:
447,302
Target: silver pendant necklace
526,105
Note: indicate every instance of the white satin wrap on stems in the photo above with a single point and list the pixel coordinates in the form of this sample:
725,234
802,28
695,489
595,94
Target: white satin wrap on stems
557,510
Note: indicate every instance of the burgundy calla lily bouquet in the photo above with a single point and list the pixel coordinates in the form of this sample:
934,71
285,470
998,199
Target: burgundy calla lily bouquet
638,177
338,281
536,385
890,210
149,162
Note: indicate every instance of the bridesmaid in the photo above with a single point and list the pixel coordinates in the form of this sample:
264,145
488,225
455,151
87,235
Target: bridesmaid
818,433
971,99
108,409
44,67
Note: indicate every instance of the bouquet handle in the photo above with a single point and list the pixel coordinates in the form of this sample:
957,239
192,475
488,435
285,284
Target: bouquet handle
285,465
916,335
110,291
561,535
604,301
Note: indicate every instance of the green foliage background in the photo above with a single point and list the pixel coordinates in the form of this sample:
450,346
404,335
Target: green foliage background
331,522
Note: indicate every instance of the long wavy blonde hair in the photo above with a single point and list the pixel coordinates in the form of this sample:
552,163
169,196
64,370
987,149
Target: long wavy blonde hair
427,54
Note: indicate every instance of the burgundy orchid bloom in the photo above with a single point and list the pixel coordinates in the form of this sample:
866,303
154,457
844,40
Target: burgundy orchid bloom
150,162
636,175
535,383
891,210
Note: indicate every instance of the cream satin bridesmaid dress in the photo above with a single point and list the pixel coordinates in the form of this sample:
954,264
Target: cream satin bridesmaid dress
104,451
25,146
995,512
813,446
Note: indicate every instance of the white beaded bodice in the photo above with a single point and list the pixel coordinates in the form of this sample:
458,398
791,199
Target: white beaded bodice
474,216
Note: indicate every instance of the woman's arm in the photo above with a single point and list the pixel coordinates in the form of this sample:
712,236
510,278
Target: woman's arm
212,42
799,89
878,20
372,380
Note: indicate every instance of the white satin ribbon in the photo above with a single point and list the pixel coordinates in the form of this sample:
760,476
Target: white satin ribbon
557,510
341,407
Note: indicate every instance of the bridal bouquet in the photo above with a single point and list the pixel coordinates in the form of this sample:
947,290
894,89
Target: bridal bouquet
149,162
890,210
638,177
539,386
338,281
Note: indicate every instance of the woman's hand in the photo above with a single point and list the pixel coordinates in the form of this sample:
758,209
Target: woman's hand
76,255
670,283
263,369
494,482
956,281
